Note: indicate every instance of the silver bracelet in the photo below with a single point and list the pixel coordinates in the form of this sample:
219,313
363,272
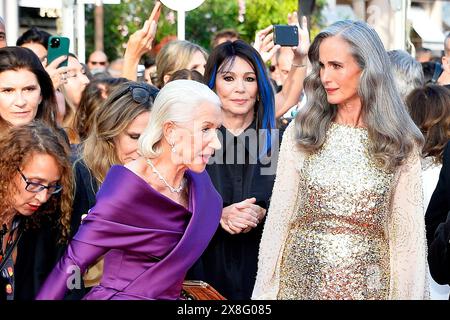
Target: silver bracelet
298,65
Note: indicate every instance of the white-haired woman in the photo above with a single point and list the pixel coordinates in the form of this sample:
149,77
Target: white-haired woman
407,71
154,216
346,219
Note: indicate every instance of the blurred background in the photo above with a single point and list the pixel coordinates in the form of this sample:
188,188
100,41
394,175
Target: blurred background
105,25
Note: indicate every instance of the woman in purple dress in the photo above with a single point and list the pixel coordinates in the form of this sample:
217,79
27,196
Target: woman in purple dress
154,216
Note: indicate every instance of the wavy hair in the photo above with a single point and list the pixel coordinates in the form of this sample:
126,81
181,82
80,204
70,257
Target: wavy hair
71,109
407,71
17,58
111,119
17,147
92,98
429,108
392,133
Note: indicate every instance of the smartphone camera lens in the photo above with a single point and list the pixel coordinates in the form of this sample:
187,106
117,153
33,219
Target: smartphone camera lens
55,43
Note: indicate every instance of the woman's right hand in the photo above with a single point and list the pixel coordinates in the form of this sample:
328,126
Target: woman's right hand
58,75
264,43
140,43
241,216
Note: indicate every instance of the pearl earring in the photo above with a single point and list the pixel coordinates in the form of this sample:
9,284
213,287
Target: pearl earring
173,147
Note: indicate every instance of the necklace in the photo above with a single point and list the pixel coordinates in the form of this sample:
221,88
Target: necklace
172,189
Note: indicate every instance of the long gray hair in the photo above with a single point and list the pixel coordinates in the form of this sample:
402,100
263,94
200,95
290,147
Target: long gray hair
392,133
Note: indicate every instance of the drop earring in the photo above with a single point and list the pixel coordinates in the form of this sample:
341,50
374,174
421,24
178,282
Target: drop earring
173,147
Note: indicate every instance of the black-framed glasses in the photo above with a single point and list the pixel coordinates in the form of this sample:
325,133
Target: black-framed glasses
140,93
37,187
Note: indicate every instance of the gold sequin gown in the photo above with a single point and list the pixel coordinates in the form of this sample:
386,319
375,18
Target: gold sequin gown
337,245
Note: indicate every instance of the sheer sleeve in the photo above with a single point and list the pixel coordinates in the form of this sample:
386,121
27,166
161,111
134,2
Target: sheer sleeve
406,231
282,207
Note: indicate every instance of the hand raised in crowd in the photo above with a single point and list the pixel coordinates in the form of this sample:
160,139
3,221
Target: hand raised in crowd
140,43
303,35
58,75
290,94
264,43
242,216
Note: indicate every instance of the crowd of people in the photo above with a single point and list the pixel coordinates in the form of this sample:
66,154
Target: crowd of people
312,172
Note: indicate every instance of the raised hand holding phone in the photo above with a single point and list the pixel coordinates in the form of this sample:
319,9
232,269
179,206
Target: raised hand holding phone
303,34
58,46
140,43
56,73
264,43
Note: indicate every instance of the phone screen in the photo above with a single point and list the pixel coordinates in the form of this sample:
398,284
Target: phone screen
285,35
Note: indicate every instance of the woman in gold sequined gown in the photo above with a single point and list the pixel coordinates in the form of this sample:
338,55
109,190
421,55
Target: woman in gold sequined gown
346,220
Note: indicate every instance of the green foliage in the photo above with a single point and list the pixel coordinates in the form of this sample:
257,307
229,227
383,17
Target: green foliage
120,21
317,22
262,13
213,15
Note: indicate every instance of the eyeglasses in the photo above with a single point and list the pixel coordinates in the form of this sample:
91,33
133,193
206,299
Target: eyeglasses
102,63
37,187
141,94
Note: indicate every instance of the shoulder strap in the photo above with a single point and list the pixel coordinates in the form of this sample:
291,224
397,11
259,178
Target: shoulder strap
10,250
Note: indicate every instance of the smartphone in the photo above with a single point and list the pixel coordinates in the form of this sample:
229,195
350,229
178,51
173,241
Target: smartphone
58,46
285,35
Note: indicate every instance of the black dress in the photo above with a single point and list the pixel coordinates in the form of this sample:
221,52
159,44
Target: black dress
437,221
86,188
229,263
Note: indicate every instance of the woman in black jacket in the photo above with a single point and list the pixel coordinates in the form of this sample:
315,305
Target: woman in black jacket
437,220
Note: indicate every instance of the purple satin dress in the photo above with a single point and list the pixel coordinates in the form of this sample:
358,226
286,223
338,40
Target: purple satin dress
148,240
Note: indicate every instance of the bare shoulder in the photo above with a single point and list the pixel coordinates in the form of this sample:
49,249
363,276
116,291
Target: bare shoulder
138,167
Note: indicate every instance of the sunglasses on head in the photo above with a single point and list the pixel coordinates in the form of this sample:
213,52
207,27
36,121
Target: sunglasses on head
140,94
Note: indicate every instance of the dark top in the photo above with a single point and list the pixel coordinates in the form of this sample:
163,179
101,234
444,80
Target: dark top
437,220
86,188
7,272
229,263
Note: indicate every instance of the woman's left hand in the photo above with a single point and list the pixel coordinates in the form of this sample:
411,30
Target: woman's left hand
140,43
261,212
58,75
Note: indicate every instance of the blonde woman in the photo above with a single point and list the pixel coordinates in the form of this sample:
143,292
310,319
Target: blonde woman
177,55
